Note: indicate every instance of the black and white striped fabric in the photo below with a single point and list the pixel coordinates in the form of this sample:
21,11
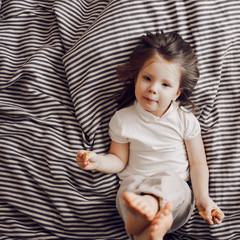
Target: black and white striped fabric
57,87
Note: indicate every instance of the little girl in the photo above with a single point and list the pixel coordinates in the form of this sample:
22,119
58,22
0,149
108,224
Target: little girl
156,146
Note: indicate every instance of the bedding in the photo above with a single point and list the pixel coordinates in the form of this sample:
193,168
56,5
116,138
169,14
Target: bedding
58,82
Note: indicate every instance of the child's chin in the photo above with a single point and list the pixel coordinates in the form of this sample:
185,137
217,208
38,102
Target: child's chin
152,111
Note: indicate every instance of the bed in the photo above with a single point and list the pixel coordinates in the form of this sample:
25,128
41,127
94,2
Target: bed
58,82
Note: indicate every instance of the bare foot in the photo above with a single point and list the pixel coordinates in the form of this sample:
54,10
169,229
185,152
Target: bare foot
159,225
141,211
162,222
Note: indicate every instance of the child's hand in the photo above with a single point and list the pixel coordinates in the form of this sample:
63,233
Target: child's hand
210,211
215,217
87,160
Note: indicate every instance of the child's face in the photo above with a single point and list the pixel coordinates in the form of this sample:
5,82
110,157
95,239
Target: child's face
157,85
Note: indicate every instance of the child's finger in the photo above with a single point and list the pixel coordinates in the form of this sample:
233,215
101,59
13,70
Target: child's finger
79,156
80,162
208,213
85,162
206,217
210,221
217,215
86,156
217,221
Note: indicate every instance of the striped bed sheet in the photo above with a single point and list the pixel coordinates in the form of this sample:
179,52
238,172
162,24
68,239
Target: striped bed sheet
58,82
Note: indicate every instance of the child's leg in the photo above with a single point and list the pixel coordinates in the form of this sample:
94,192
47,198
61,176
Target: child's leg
159,226
141,210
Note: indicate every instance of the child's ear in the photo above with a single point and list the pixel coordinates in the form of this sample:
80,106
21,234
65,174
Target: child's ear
178,93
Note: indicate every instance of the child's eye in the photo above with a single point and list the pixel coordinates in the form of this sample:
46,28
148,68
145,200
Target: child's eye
165,85
147,78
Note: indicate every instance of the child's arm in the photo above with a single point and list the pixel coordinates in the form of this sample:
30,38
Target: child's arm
199,178
113,162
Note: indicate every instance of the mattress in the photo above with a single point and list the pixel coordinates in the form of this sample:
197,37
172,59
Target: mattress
58,82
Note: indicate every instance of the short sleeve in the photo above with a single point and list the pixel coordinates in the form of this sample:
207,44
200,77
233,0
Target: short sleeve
191,126
116,129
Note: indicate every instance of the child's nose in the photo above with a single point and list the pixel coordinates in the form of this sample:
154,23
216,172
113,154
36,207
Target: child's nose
153,89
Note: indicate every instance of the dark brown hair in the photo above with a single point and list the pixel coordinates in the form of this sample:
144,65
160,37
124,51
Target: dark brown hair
171,47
